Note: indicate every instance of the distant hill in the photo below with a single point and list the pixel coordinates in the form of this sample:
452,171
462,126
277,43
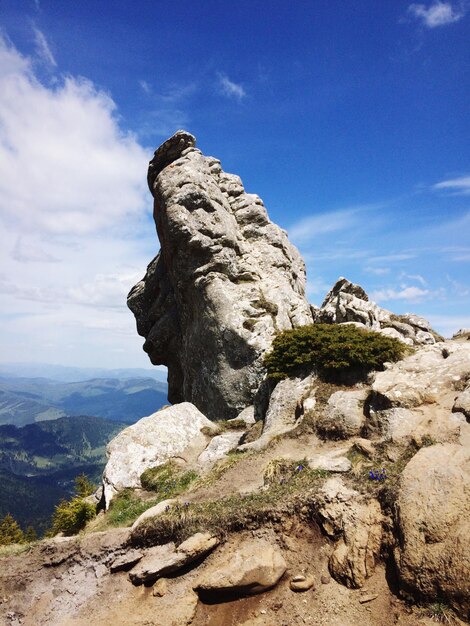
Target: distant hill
67,374
39,462
29,400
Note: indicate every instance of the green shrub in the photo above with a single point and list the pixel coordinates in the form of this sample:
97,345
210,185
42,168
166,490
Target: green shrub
331,350
10,532
168,480
70,516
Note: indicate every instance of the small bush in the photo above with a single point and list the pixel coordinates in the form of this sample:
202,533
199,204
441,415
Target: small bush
70,516
168,480
10,531
331,350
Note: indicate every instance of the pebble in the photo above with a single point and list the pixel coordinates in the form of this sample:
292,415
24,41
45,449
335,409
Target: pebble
368,598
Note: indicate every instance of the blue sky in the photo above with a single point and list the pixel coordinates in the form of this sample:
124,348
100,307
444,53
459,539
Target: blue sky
349,118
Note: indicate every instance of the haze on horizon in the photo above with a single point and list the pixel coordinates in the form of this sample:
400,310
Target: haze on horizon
350,120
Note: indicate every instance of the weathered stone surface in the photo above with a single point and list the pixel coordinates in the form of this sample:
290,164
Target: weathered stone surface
462,403
414,397
218,447
172,432
247,415
163,560
343,415
333,462
365,447
126,560
250,568
462,334
356,523
422,377
225,281
349,303
433,557
285,410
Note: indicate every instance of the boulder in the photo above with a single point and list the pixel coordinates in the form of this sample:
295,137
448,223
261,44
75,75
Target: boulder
253,567
218,447
172,432
462,403
356,524
433,555
154,511
285,411
164,560
343,415
225,281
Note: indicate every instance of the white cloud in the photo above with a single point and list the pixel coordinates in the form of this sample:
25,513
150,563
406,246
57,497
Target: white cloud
412,294
66,165
437,14
230,88
75,220
43,49
145,86
460,186
377,271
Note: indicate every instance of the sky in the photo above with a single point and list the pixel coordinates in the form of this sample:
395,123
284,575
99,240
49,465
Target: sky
349,118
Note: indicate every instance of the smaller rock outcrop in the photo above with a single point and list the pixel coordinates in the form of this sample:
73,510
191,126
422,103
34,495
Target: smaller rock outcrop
172,433
253,567
349,303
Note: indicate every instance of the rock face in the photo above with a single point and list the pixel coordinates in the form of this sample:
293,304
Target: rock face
253,568
348,303
285,410
225,280
343,415
415,396
357,524
172,432
433,557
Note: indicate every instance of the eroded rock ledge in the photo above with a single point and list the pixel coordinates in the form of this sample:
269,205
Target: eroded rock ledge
225,280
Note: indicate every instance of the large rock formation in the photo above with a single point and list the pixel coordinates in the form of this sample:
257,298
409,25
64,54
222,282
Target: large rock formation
226,279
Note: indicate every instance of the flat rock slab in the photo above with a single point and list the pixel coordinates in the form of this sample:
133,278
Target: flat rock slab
251,568
163,560
126,561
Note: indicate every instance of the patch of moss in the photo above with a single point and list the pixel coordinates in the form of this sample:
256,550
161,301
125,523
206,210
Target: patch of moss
331,350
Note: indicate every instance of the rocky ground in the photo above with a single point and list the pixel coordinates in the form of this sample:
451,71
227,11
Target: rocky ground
373,552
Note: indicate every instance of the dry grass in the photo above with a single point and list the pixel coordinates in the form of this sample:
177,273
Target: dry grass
287,490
